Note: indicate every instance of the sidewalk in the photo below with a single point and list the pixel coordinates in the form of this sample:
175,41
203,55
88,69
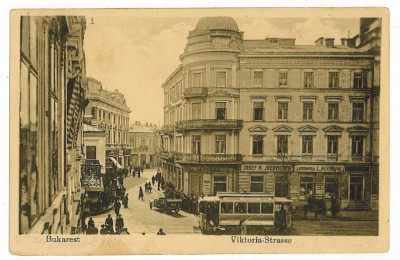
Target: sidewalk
359,215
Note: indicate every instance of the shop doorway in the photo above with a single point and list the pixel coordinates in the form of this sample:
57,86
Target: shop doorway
356,189
195,184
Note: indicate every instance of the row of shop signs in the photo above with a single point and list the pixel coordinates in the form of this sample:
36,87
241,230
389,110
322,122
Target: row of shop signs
302,168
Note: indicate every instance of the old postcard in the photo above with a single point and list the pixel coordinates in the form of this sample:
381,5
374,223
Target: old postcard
199,131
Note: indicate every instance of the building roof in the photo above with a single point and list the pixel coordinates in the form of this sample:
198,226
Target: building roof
217,23
134,128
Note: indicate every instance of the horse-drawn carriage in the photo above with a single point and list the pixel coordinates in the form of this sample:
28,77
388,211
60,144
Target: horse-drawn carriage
168,205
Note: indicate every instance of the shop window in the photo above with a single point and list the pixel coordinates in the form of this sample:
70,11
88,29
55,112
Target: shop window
333,111
258,79
307,188
308,111
240,207
220,110
257,183
254,208
331,187
258,144
308,79
333,79
281,186
258,111
219,184
267,208
283,110
226,207
220,144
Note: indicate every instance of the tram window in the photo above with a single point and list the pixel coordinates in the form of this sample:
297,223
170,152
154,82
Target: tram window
254,208
226,207
202,207
267,208
241,207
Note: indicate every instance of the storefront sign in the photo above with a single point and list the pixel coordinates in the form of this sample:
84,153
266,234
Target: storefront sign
267,168
319,168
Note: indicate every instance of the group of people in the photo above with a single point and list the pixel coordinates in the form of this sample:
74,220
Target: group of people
108,227
135,170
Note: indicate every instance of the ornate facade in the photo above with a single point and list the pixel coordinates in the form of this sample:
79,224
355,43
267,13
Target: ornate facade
271,116
51,104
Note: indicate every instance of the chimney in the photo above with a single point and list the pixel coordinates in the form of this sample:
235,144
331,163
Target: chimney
351,42
329,42
319,41
343,41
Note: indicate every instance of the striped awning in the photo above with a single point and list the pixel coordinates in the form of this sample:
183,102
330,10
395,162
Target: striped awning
116,163
75,106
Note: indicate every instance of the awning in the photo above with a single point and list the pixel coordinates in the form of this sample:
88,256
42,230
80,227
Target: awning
115,162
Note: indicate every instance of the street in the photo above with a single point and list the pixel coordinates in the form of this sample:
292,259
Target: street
138,217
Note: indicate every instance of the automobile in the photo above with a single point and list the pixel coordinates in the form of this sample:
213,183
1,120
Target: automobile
168,205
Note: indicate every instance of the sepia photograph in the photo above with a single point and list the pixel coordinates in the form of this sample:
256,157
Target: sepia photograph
246,126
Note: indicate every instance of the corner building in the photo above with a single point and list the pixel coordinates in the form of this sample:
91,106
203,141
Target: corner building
270,116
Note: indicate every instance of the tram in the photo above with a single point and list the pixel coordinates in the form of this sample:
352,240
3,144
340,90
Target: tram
227,211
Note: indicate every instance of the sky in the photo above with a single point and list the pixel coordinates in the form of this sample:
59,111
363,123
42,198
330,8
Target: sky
136,54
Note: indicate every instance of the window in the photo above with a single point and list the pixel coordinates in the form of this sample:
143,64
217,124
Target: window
282,144
258,144
283,110
331,186
267,208
333,79
257,184
307,145
357,146
258,78
219,184
332,145
240,207
90,152
220,110
333,111
196,110
220,144
359,80
307,187
308,79
282,79
358,111
254,207
221,79
226,207
258,111
196,144
197,80
281,186
308,111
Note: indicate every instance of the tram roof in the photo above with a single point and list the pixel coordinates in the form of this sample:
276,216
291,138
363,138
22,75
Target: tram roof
245,194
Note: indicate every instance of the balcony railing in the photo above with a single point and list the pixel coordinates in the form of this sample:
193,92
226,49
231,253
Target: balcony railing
209,158
307,158
195,92
210,124
167,129
119,146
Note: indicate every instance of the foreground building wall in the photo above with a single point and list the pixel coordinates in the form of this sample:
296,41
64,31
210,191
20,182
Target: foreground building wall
270,116
51,105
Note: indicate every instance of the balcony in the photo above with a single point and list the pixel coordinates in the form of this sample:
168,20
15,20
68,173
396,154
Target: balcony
195,92
209,158
167,129
209,124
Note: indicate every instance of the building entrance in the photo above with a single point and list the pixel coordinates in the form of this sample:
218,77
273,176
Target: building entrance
356,188
195,184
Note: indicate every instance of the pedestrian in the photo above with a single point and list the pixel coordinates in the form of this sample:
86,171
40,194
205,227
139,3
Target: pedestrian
103,230
109,224
334,207
91,223
139,173
117,207
151,205
150,188
282,218
141,193
126,198
119,224
161,232
243,227
153,180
